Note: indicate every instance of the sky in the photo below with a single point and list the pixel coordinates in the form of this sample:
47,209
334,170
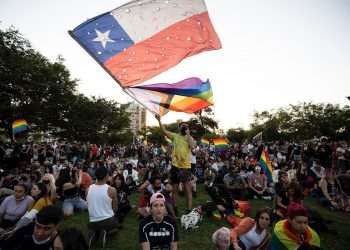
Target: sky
274,52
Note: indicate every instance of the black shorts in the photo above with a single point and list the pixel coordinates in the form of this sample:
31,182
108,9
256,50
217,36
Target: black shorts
178,175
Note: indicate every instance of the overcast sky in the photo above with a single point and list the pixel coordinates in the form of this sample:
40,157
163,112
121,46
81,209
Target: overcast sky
274,52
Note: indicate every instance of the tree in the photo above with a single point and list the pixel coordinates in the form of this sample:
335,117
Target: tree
236,135
43,93
303,121
31,86
94,119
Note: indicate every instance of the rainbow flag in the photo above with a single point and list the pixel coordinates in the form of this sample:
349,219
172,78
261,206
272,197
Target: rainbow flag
283,238
189,96
220,143
204,141
266,165
19,126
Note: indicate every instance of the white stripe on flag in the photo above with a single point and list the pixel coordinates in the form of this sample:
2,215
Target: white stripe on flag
144,18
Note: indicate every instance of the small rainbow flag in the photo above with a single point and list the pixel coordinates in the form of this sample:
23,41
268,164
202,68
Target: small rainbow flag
265,164
19,126
204,141
220,143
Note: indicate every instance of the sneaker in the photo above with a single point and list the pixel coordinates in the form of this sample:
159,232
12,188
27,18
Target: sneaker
255,197
104,238
268,198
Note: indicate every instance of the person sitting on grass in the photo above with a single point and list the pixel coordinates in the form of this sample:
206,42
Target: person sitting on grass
15,206
102,205
158,231
257,183
294,233
155,186
332,195
235,183
251,233
293,193
38,235
123,197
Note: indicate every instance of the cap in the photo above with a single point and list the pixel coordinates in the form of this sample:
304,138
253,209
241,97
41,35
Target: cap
157,197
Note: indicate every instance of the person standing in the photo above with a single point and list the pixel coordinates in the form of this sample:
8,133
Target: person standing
180,172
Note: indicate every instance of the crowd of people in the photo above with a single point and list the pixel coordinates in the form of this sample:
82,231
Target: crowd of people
43,183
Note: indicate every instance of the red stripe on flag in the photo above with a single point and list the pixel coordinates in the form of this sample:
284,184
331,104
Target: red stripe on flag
163,50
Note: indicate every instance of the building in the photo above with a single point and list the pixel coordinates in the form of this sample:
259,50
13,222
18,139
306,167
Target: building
137,117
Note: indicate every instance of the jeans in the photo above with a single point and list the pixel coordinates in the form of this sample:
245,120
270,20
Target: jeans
73,203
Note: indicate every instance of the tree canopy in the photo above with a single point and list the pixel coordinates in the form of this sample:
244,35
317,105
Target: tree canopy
298,122
43,93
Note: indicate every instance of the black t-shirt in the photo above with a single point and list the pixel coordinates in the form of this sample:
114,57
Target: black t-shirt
123,194
159,235
23,240
29,244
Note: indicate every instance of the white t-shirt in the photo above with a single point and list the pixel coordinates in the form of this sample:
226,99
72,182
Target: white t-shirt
252,239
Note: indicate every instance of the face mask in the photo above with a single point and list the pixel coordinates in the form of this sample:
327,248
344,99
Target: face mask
183,130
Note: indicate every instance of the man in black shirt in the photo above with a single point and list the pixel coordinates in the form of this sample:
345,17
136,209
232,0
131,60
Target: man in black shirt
39,235
158,231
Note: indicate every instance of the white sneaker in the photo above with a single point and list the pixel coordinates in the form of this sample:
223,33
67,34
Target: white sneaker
268,198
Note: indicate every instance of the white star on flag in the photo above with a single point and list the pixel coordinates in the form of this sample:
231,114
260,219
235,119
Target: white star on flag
103,37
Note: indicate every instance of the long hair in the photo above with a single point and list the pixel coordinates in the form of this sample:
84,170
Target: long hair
298,193
265,210
73,239
43,191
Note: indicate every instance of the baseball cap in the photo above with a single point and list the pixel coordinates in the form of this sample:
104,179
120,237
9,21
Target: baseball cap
157,197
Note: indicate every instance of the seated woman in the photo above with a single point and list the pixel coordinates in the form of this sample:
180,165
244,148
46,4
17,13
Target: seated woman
15,206
294,232
41,199
332,195
158,231
72,199
257,183
252,234
49,181
123,197
71,194
284,198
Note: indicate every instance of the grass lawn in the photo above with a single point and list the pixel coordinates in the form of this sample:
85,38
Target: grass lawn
127,237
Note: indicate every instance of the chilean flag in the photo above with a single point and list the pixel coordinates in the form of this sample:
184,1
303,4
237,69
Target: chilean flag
143,38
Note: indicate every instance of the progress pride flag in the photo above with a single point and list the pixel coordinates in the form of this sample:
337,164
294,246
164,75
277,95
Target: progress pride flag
141,39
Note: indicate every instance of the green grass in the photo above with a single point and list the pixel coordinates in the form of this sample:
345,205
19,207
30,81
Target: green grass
127,237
